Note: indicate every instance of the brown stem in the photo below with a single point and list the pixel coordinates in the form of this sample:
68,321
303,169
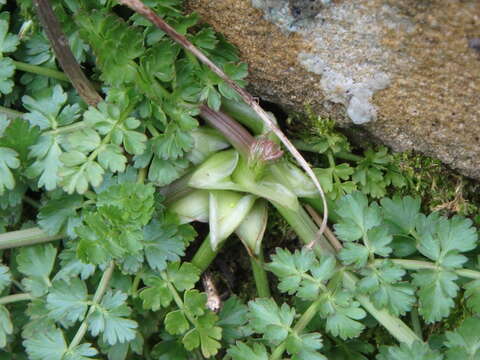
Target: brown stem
261,149
64,55
145,11
328,233
240,138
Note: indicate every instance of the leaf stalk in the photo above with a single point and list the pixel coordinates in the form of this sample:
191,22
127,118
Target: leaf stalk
97,297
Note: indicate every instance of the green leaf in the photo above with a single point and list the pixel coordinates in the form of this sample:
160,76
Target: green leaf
305,346
7,69
289,268
165,242
386,290
437,289
442,240
464,342
109,319
5,277
111,158
51,345
36,262
6,326
83,140
301,272
102,237
47,153
267,318
472,294
233,320
19,136
159,61
115,229
169,349
60,214
354,254
343,322
205,38
351,350
8,160
416,351
401,213
8,42
176,323
375,172
378,240
79,173
67,301
182,275
157,294
46,345
48,110
205,334
71,266
163,172
195,301
241,351
136,200
357,217
173,143
80,352
105,32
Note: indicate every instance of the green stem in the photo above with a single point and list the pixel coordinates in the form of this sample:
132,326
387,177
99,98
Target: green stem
135,283
427,265
33,203
305,228
10,113
260,276
205,255
243,113
26,237
97,297
301,324
178,300
396,327
14,298
416,322
68,128
348,156
41,70
142,174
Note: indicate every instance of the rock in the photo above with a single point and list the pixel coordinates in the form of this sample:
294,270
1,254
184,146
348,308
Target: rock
405,72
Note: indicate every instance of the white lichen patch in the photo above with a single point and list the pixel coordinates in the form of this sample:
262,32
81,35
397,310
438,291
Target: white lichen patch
347,50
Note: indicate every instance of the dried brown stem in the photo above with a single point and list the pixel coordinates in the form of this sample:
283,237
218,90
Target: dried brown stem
64,55
145,11
328,233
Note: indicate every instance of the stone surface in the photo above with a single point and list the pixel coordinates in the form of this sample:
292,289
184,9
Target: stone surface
404,72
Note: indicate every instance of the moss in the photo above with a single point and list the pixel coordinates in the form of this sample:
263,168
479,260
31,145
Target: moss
440,188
